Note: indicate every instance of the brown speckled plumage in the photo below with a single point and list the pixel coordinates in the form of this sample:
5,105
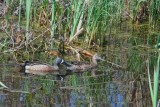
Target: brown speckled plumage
42,68
83,66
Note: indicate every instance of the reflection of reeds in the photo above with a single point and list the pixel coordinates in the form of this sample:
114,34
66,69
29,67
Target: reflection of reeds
135,57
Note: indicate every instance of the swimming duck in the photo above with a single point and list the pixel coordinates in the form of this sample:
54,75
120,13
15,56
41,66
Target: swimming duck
41,68
83,66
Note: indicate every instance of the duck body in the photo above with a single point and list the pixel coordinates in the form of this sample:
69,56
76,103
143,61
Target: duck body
83,66
80,67
42,68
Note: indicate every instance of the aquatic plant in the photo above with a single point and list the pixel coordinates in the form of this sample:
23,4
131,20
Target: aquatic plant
154,88
52,22
78,8
7,14
19,14
28,13
154,12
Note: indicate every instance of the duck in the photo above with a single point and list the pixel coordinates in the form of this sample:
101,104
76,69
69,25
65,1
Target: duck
38,68
82,67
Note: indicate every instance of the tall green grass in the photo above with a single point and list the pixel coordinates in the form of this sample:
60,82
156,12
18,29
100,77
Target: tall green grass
154,8
28,13
19,14
7,14
154,86
98,17
92,18
78,8
52,22
34,14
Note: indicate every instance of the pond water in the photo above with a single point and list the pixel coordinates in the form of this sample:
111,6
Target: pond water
107,89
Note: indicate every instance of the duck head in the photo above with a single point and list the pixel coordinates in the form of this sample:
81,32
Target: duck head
59,61
97,57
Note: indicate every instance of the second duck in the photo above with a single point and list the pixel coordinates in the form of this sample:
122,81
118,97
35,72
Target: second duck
83,66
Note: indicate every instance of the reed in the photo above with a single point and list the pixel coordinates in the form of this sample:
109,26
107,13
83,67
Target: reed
3,45
34,14
78,7
28,12
52,23
154,87
7,14
19,14
154,13
90,21
2,85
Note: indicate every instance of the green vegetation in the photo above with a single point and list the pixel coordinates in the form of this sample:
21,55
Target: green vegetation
52,22
154,87
19,14
28,12
124,31
93,20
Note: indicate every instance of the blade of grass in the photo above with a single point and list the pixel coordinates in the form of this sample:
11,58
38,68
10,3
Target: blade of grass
7,14
19,16
4,86
28,10
154,90
52,23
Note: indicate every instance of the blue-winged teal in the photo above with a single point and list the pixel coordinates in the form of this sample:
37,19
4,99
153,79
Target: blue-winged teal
83,66
42,68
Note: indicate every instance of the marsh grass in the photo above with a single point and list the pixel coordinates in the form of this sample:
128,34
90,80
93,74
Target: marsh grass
101,19
7,14
28,13
19,14
52,22
153,84
154,13
78,7
3,86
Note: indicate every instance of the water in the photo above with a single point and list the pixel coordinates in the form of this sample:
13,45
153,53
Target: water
105,90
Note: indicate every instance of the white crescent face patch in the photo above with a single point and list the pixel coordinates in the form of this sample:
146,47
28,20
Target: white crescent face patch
62,61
